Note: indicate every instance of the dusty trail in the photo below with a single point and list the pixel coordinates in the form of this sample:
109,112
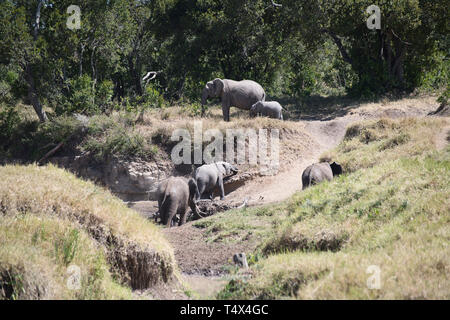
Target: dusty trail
270,189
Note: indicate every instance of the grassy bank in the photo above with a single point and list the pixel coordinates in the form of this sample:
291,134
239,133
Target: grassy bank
389,212
120,134
51,221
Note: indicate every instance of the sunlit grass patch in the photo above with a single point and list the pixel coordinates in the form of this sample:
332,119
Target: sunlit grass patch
389,212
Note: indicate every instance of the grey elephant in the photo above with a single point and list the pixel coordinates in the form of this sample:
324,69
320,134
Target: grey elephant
208,176
271,109
174,196
240,94
319,172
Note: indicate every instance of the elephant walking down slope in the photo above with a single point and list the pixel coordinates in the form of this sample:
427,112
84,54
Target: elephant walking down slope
240,94
175,195
211,175
319,172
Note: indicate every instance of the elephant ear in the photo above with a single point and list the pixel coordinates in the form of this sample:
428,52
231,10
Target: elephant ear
221,167
218,85
227,168
336,168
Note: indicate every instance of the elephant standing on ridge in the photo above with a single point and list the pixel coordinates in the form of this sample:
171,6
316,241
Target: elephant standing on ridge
241,94
211,175
319,172
174,196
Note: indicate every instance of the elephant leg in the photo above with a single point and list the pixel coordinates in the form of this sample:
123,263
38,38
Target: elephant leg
222,191
201,189
182,217
226,112
170,214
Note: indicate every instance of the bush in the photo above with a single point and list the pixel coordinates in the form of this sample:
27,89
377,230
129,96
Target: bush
85,98
118,141
115,136
103,96
9,121
82,97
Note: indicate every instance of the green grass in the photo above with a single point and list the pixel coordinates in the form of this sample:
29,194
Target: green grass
50,220
391,209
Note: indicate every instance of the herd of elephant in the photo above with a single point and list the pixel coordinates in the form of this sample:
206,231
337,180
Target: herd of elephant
177,194
245,95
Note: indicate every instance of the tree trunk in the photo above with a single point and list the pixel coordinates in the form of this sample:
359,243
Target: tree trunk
340,46
397,69
94,70
394,60
33,96
82,46
388,52
135,76
32,93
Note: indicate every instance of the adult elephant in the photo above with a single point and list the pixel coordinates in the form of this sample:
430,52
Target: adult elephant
319,172
241,94
175,195
209,176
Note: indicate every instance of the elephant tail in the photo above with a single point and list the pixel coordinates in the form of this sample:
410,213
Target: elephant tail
263,97
306,180
168,210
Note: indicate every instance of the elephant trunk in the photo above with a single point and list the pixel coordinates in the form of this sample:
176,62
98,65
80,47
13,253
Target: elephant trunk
204,95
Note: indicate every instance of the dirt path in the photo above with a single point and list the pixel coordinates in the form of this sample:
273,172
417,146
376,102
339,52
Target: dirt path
269,189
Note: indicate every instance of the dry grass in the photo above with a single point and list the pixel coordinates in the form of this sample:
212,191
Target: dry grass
50,208
390,210
370,143
161,123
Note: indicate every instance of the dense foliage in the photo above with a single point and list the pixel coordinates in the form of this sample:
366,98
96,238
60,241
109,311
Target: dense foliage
297,49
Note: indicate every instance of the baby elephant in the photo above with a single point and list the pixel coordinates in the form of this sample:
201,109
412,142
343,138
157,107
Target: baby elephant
174,196
271,109
318,172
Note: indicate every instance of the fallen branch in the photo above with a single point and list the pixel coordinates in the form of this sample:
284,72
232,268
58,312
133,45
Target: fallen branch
276,5
150,76
51,152
244,204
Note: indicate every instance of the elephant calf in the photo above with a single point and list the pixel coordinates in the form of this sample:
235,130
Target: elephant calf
318,172
174,196
271,109
211,175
